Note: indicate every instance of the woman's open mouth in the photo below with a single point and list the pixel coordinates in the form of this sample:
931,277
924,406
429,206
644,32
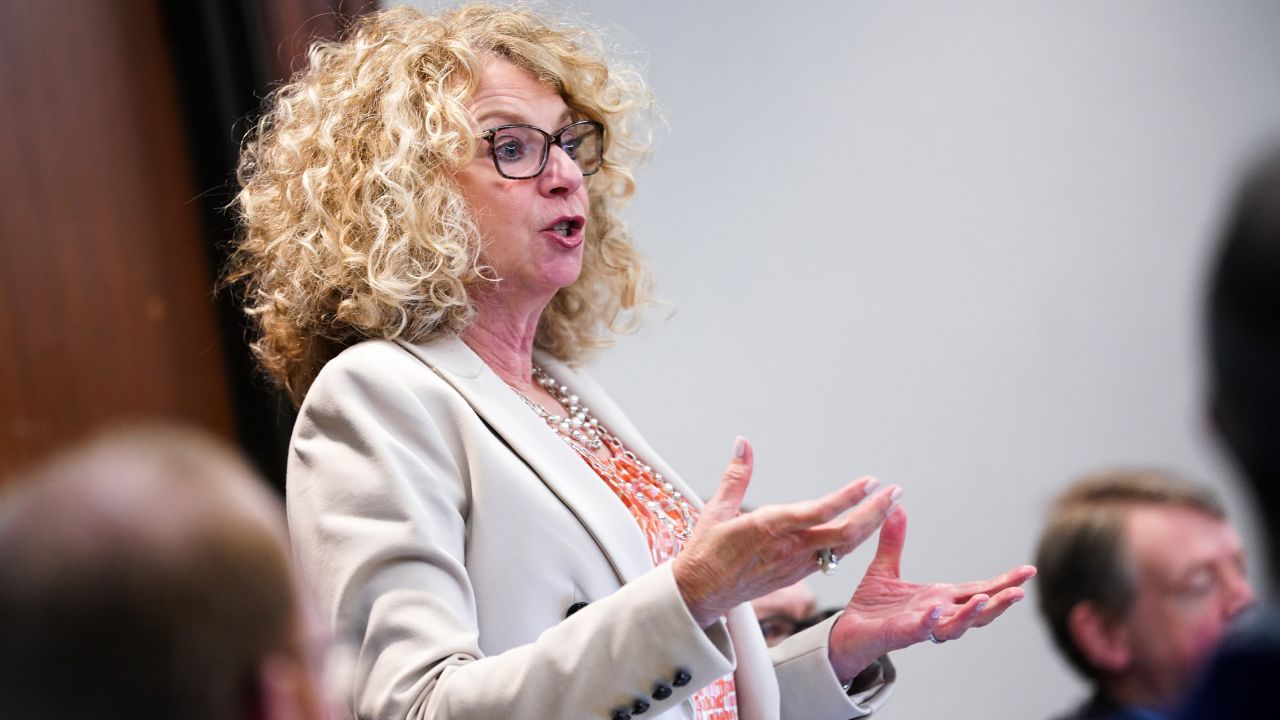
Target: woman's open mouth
567,231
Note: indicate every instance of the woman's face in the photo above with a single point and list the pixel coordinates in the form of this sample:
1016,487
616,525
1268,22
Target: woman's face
533,228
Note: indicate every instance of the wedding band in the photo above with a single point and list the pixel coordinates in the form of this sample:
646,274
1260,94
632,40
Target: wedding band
828,561
934,639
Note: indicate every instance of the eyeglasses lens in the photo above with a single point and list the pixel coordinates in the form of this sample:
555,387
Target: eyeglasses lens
581,141
520,150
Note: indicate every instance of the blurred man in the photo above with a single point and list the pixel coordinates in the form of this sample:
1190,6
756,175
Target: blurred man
1244,343
1140,576
786,611
146,575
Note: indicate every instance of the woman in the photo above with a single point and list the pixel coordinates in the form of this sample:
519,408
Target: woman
431,243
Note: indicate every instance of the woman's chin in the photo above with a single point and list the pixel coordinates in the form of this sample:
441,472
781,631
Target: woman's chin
565,269
568,277
552,279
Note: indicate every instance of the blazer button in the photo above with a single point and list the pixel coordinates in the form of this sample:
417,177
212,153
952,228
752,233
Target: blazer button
620,713
574,608
682,678
640,707
661,692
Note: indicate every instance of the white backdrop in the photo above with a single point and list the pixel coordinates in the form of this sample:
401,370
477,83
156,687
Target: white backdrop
957,245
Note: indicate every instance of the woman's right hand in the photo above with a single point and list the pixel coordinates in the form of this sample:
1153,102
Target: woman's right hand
735,557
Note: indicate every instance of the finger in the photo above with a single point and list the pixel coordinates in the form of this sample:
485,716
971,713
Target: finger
990,586
850,532
904,630
1000,602
830,506
893,535
953,627
727,501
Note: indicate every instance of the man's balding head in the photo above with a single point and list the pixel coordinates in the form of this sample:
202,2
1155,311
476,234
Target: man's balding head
145,574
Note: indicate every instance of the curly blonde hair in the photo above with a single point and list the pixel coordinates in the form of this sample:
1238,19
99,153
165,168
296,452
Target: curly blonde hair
352,224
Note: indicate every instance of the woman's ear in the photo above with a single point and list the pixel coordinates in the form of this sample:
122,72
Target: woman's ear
1102,639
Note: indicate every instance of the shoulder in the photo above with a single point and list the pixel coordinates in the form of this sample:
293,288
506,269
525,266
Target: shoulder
368,358
377,383
377,409
372,367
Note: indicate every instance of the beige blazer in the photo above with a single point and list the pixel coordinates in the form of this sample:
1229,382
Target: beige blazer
447,533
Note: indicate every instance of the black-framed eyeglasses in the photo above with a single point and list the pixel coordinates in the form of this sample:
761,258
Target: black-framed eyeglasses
520,151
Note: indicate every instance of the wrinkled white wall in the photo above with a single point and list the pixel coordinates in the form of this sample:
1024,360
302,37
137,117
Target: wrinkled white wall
957,245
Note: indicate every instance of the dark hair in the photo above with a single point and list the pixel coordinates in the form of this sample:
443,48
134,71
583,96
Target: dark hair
1244,338
1082,555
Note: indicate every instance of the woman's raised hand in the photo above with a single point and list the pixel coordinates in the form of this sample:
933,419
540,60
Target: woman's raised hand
734,557
887,614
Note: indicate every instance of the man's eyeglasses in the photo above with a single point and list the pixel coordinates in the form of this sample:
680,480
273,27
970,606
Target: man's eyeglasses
520,151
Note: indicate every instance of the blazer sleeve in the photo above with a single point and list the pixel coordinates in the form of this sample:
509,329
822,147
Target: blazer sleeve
378,492
809,688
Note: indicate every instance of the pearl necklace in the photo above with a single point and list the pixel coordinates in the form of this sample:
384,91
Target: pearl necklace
584,433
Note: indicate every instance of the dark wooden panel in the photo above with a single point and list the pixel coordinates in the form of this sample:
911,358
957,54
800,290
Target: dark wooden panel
104,280
291,25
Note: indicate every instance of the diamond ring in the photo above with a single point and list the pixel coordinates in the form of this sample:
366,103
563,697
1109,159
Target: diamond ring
828,561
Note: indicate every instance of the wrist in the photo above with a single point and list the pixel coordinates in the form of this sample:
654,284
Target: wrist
848,653
693,593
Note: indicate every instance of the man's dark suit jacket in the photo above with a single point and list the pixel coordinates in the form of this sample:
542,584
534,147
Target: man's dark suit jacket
1244,679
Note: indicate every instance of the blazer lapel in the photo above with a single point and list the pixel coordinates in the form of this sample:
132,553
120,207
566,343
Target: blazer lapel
612,417
550,459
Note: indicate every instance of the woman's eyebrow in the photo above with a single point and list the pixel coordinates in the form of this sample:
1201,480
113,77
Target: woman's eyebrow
493,118
499,117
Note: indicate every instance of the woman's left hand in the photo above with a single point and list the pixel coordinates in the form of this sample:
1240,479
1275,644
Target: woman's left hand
886,613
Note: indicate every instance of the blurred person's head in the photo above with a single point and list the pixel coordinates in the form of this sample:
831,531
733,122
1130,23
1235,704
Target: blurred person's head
785,611
146,574
1244,341
795,600
1140,574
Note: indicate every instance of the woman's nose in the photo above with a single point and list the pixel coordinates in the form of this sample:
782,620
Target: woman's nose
561,176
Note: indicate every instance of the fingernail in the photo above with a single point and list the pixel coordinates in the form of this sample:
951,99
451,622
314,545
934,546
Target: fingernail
897,493
982,605
936,614
739,448
872,484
